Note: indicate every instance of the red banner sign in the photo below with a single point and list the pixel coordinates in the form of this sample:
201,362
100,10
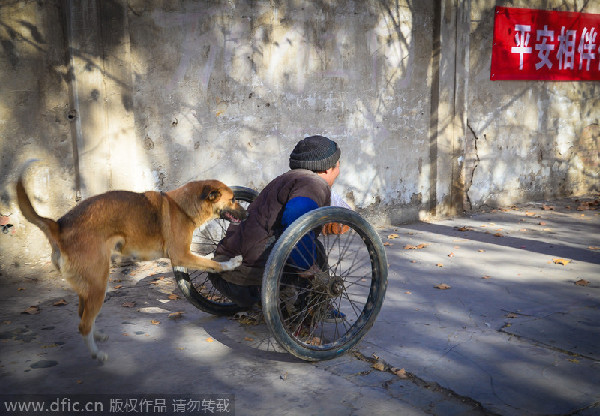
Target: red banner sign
545,45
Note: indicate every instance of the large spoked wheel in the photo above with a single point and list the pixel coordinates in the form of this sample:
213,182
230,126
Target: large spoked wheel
195,284
319,313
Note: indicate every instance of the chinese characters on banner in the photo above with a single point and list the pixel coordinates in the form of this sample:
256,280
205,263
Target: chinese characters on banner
545,45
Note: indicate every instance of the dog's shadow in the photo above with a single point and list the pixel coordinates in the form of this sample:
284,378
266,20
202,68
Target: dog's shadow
254,339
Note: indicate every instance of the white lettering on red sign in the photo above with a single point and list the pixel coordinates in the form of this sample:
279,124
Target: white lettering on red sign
522,41
567,46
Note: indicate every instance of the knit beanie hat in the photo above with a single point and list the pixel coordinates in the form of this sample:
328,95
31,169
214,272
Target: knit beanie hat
316,153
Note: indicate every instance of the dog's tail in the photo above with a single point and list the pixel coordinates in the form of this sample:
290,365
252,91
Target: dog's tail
47,225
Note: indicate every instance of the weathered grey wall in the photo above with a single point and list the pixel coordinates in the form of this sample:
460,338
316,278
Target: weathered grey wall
34,111
527,140
151,94
239,83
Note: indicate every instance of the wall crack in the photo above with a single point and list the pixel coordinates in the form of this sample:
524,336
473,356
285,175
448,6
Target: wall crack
475,165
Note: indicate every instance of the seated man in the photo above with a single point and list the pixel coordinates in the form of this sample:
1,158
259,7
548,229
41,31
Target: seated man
314,167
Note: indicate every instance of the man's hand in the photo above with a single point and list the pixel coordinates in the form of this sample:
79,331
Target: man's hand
335,228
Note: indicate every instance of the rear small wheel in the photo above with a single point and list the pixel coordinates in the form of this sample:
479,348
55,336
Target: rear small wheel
195,284
320,313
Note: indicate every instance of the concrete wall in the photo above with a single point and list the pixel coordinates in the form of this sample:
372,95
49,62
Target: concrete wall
527,140
151,94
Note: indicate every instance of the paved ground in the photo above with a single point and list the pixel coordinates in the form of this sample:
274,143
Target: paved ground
516,333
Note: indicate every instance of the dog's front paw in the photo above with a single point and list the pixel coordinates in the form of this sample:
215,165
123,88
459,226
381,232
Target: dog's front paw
232,263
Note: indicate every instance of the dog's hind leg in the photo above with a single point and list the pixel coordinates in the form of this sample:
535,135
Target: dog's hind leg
90,304
98,336
91,309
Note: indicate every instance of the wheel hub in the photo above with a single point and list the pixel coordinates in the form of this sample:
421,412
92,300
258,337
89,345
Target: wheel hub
336,286
333,286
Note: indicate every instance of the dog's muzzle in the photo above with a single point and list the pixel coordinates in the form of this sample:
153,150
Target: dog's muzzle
235,216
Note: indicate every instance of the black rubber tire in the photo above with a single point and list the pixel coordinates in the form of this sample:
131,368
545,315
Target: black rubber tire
322,341
194,284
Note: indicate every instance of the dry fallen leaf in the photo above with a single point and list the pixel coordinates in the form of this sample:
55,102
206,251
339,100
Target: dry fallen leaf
485,277
400,372
50,346
387,244
418,247
465,228
594,248
439,265
118,286
393,236
248,339
379,366
530,214
32,310
442,286
175,315
155,322
512,315
451,255
173,296
315,341
582,282
210,340
497,235
563,262
61,302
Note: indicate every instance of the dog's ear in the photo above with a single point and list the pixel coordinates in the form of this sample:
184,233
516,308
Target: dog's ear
210,194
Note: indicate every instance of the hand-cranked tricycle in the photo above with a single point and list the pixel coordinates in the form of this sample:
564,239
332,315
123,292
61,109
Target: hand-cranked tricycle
349,275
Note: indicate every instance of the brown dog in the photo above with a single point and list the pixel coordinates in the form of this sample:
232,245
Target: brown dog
144,226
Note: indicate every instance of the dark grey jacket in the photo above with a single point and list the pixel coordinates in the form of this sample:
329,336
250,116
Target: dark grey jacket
254,237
